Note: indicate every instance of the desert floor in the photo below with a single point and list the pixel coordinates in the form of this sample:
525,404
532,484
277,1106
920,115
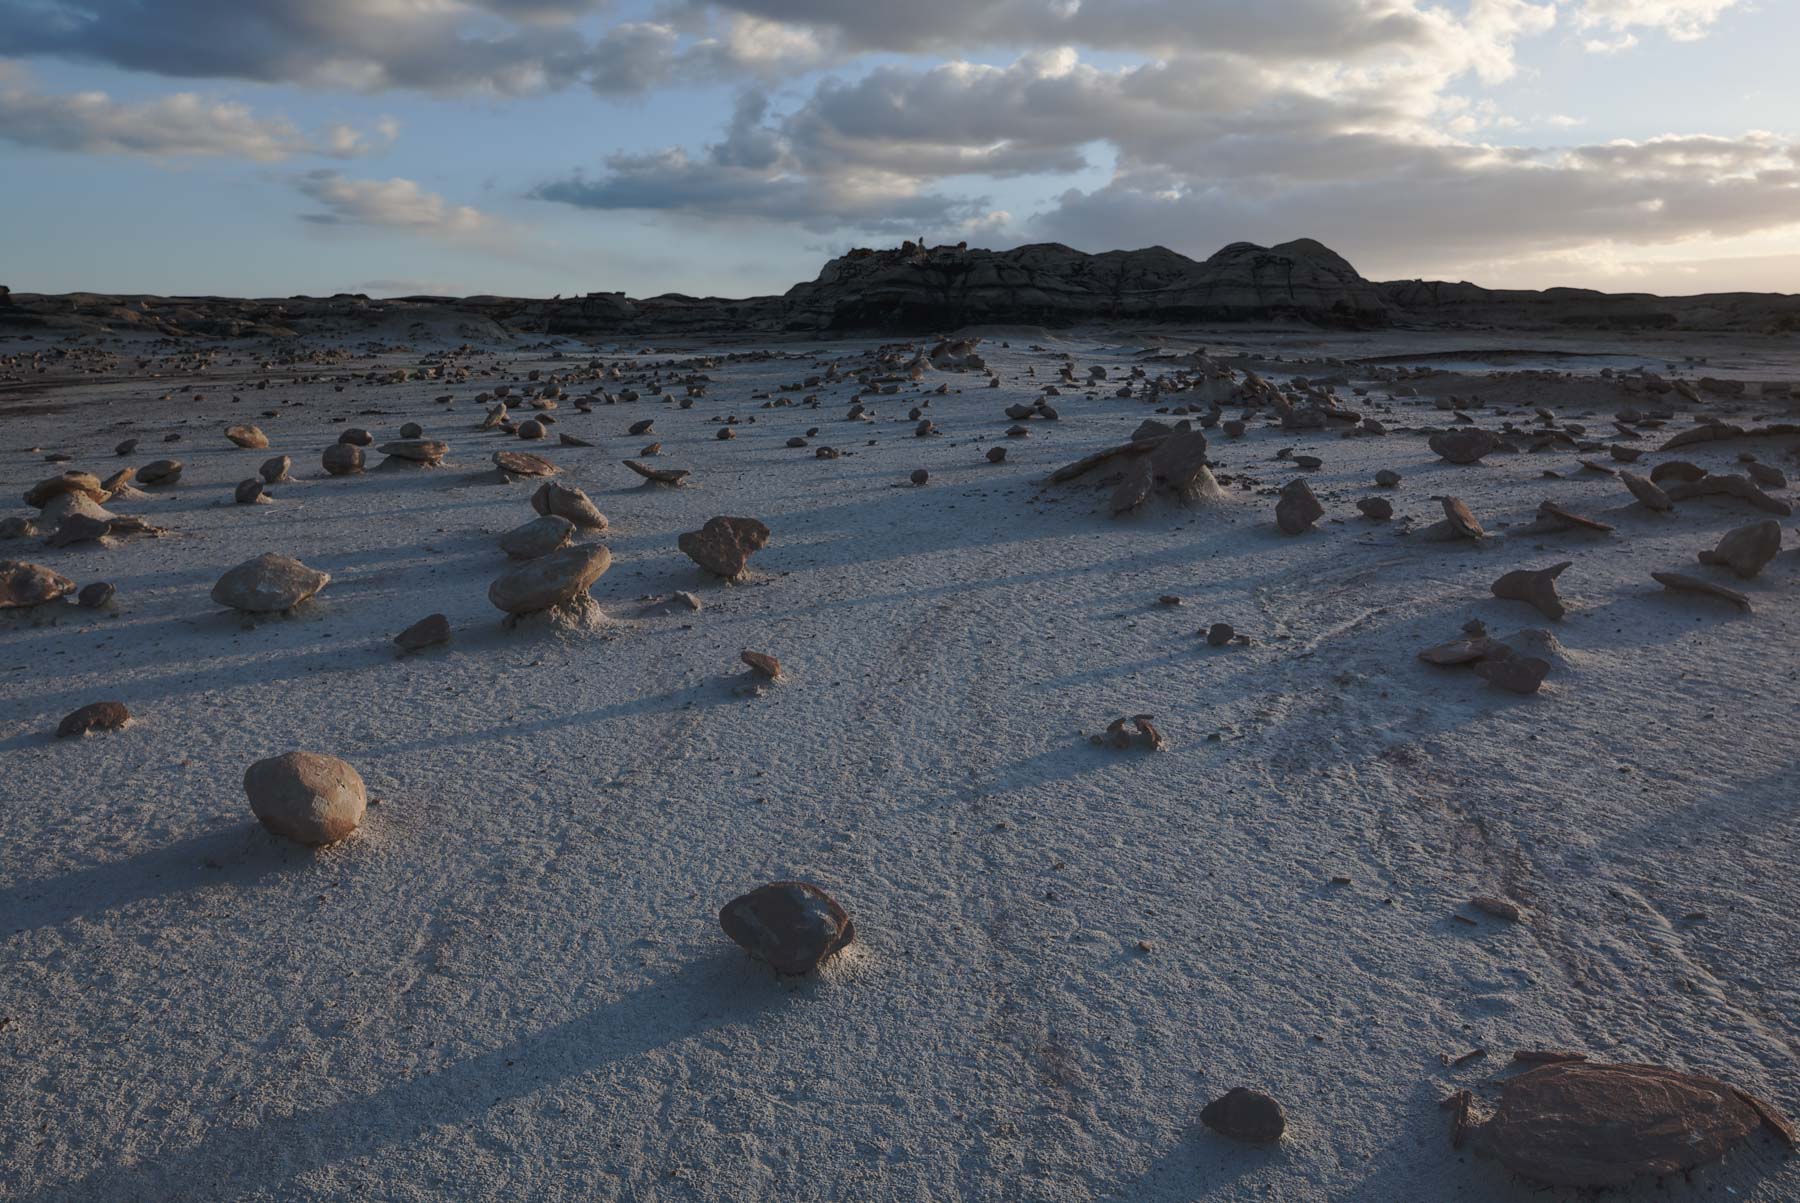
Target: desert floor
511,982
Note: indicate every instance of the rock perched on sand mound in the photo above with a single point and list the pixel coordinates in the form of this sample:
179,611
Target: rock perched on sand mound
342,459
664,476
550,580
46,491
24,584
427,632
160,472
1534,587
93,718
429,452
268,584
724,545
1588,1125
539,537
1245,1114
250,492
1463,446
1747,549
307,797
247,436
523,463
793,925
762,664
1298,508
568,503
275,471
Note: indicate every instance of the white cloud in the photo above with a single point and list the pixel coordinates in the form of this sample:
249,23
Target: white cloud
397,204
177,125
1682,20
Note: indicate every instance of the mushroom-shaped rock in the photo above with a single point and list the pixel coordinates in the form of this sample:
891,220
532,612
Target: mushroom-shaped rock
539,537
793,925
427,632
523,463
92,718
46,491
1747,549
160,472
1463,446
724,545
275,471
268,584
550,580
1298,508
1536,587
342,459
1245,1114
24,584
247,436
427,452
1584,1124
307,797
569,503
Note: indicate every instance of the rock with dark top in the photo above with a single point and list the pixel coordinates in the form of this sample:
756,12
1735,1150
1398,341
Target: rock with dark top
1245,1114
1297,509
427,632
793,925
724,545
558,579
1464,446
569,503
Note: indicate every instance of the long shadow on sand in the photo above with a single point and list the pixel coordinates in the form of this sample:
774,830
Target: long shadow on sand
264,1160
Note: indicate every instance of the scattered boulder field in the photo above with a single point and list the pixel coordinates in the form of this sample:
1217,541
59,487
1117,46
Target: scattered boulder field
1077,762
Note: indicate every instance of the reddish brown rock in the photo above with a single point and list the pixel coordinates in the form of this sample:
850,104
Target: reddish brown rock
342,459
92,718
724,545
427,632
1515,674
247,436
1245,1114
570,503
1746,550
522,463
1586,1125
1463,446
24,584
307,797
762,664
1682,583
160,472
1648,495
46,491
1534,587
793,925
1298,508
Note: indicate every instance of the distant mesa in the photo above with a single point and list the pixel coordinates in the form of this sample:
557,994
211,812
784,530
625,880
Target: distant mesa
916,289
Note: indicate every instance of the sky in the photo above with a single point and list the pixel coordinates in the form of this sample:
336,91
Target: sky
730,147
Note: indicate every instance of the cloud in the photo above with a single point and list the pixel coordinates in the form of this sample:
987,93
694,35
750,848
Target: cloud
394,204
181,124
1682,20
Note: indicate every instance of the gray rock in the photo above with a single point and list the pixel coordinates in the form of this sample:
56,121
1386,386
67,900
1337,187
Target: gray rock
539,537
268,584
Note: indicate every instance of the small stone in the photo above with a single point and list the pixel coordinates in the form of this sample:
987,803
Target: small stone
1245,1114
725,432
342,459
1746,550
793,925
1387,478
762,664
996,455
920,476
412,430
14,526
250,492
531,428
247,436
126,447
1461,519
1378,508
427,632
160,472
1142,733
356,437
428,452
275,471
522,463
643,427
1298,508
1515,674
1219,634
307,797
1535,587
96,595
1463,446
268,584
92,718
661,476
1499,908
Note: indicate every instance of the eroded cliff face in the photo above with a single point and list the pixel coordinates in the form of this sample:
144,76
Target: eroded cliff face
939,288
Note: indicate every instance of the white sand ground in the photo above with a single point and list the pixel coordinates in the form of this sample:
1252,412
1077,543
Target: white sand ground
511,983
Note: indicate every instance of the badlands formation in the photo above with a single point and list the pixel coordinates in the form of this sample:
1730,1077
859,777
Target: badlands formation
991,726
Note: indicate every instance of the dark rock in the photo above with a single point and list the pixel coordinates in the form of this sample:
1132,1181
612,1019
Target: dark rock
1245,1114
793,925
